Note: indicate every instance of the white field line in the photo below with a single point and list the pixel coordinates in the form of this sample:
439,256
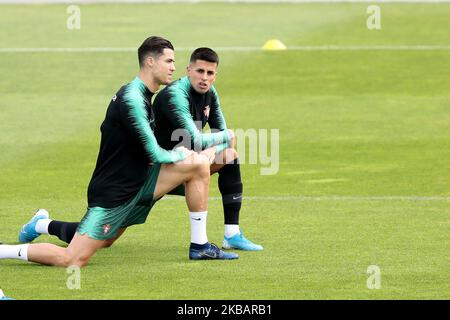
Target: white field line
215,1
329,198
237,48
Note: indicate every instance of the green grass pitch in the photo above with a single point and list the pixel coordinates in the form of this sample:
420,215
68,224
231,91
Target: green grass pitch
364,149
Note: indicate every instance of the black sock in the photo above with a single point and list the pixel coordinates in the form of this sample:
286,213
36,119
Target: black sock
63,230
230,186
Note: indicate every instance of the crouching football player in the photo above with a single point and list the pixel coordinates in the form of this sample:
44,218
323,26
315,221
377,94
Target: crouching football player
131,173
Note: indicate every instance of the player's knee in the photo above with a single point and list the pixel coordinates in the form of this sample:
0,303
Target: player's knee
197,166
80,261
229,155
201,165
108,243
75,260
193,159
199,160
64,259
232,154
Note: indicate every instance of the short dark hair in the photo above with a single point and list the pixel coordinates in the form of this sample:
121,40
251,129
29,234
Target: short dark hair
205,54
153,46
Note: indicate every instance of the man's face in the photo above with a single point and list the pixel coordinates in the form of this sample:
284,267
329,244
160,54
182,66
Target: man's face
163,67
202,75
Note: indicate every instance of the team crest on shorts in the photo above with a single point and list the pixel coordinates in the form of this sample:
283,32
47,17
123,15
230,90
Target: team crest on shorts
106,228
206,111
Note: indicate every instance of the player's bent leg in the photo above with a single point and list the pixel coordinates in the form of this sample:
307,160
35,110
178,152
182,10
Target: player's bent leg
108,243
194,172
231,188
78,253
82,248
64,230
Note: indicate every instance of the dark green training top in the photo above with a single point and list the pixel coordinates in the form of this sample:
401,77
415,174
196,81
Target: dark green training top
181,113
128,148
